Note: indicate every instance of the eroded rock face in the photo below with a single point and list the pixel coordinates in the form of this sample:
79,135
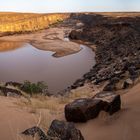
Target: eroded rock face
64,131
82,109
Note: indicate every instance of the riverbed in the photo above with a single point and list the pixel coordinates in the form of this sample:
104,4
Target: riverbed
26,62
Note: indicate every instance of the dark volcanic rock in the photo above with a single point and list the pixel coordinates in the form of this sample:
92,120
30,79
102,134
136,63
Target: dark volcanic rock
82,110
74,35
127,83
133,73
59,130
10,92
15,84
36,130
78,83
111,86
64,131
117,43
85,109
111,101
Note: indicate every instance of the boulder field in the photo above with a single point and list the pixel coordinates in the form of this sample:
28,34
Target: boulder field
117,41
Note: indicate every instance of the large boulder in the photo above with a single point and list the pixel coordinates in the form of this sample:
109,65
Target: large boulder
111,102
73,35
64,131
82,109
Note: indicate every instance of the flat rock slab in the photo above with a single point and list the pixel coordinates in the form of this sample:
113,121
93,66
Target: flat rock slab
83,109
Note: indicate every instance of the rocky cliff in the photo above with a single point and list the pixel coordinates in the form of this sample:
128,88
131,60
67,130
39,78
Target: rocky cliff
15,22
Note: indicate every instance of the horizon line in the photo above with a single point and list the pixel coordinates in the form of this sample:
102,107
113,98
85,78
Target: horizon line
125,11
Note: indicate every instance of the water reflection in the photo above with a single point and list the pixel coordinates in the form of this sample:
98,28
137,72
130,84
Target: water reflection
9,46
29,63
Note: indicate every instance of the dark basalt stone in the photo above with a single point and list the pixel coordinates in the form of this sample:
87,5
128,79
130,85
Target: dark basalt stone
111,102
127,83
15,84
82,110
35,130
10,92
117,51
74,35
111,86
59,130
64,131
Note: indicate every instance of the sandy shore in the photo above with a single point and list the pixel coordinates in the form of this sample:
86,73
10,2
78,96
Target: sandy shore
44,40
124,125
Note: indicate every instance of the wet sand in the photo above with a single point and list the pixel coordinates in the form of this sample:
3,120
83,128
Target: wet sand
44,40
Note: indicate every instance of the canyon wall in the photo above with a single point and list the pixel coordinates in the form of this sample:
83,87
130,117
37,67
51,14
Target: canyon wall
28,22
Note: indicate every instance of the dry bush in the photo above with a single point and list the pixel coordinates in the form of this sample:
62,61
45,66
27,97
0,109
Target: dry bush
56,103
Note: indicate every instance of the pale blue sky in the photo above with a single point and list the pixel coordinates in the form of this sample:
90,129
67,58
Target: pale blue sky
69,5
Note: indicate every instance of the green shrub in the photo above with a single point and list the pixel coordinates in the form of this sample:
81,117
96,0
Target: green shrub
34,88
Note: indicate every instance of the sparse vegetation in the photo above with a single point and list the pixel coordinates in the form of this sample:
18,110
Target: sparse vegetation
34,88
55,104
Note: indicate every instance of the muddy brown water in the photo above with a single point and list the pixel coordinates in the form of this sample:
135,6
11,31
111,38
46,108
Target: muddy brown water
26,62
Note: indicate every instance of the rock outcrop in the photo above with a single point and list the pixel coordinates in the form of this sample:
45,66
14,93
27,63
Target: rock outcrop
59,130
64,131
10,92
14,84
21,23
111,102
84,109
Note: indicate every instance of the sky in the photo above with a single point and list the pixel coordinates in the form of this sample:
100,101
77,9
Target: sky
50,6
